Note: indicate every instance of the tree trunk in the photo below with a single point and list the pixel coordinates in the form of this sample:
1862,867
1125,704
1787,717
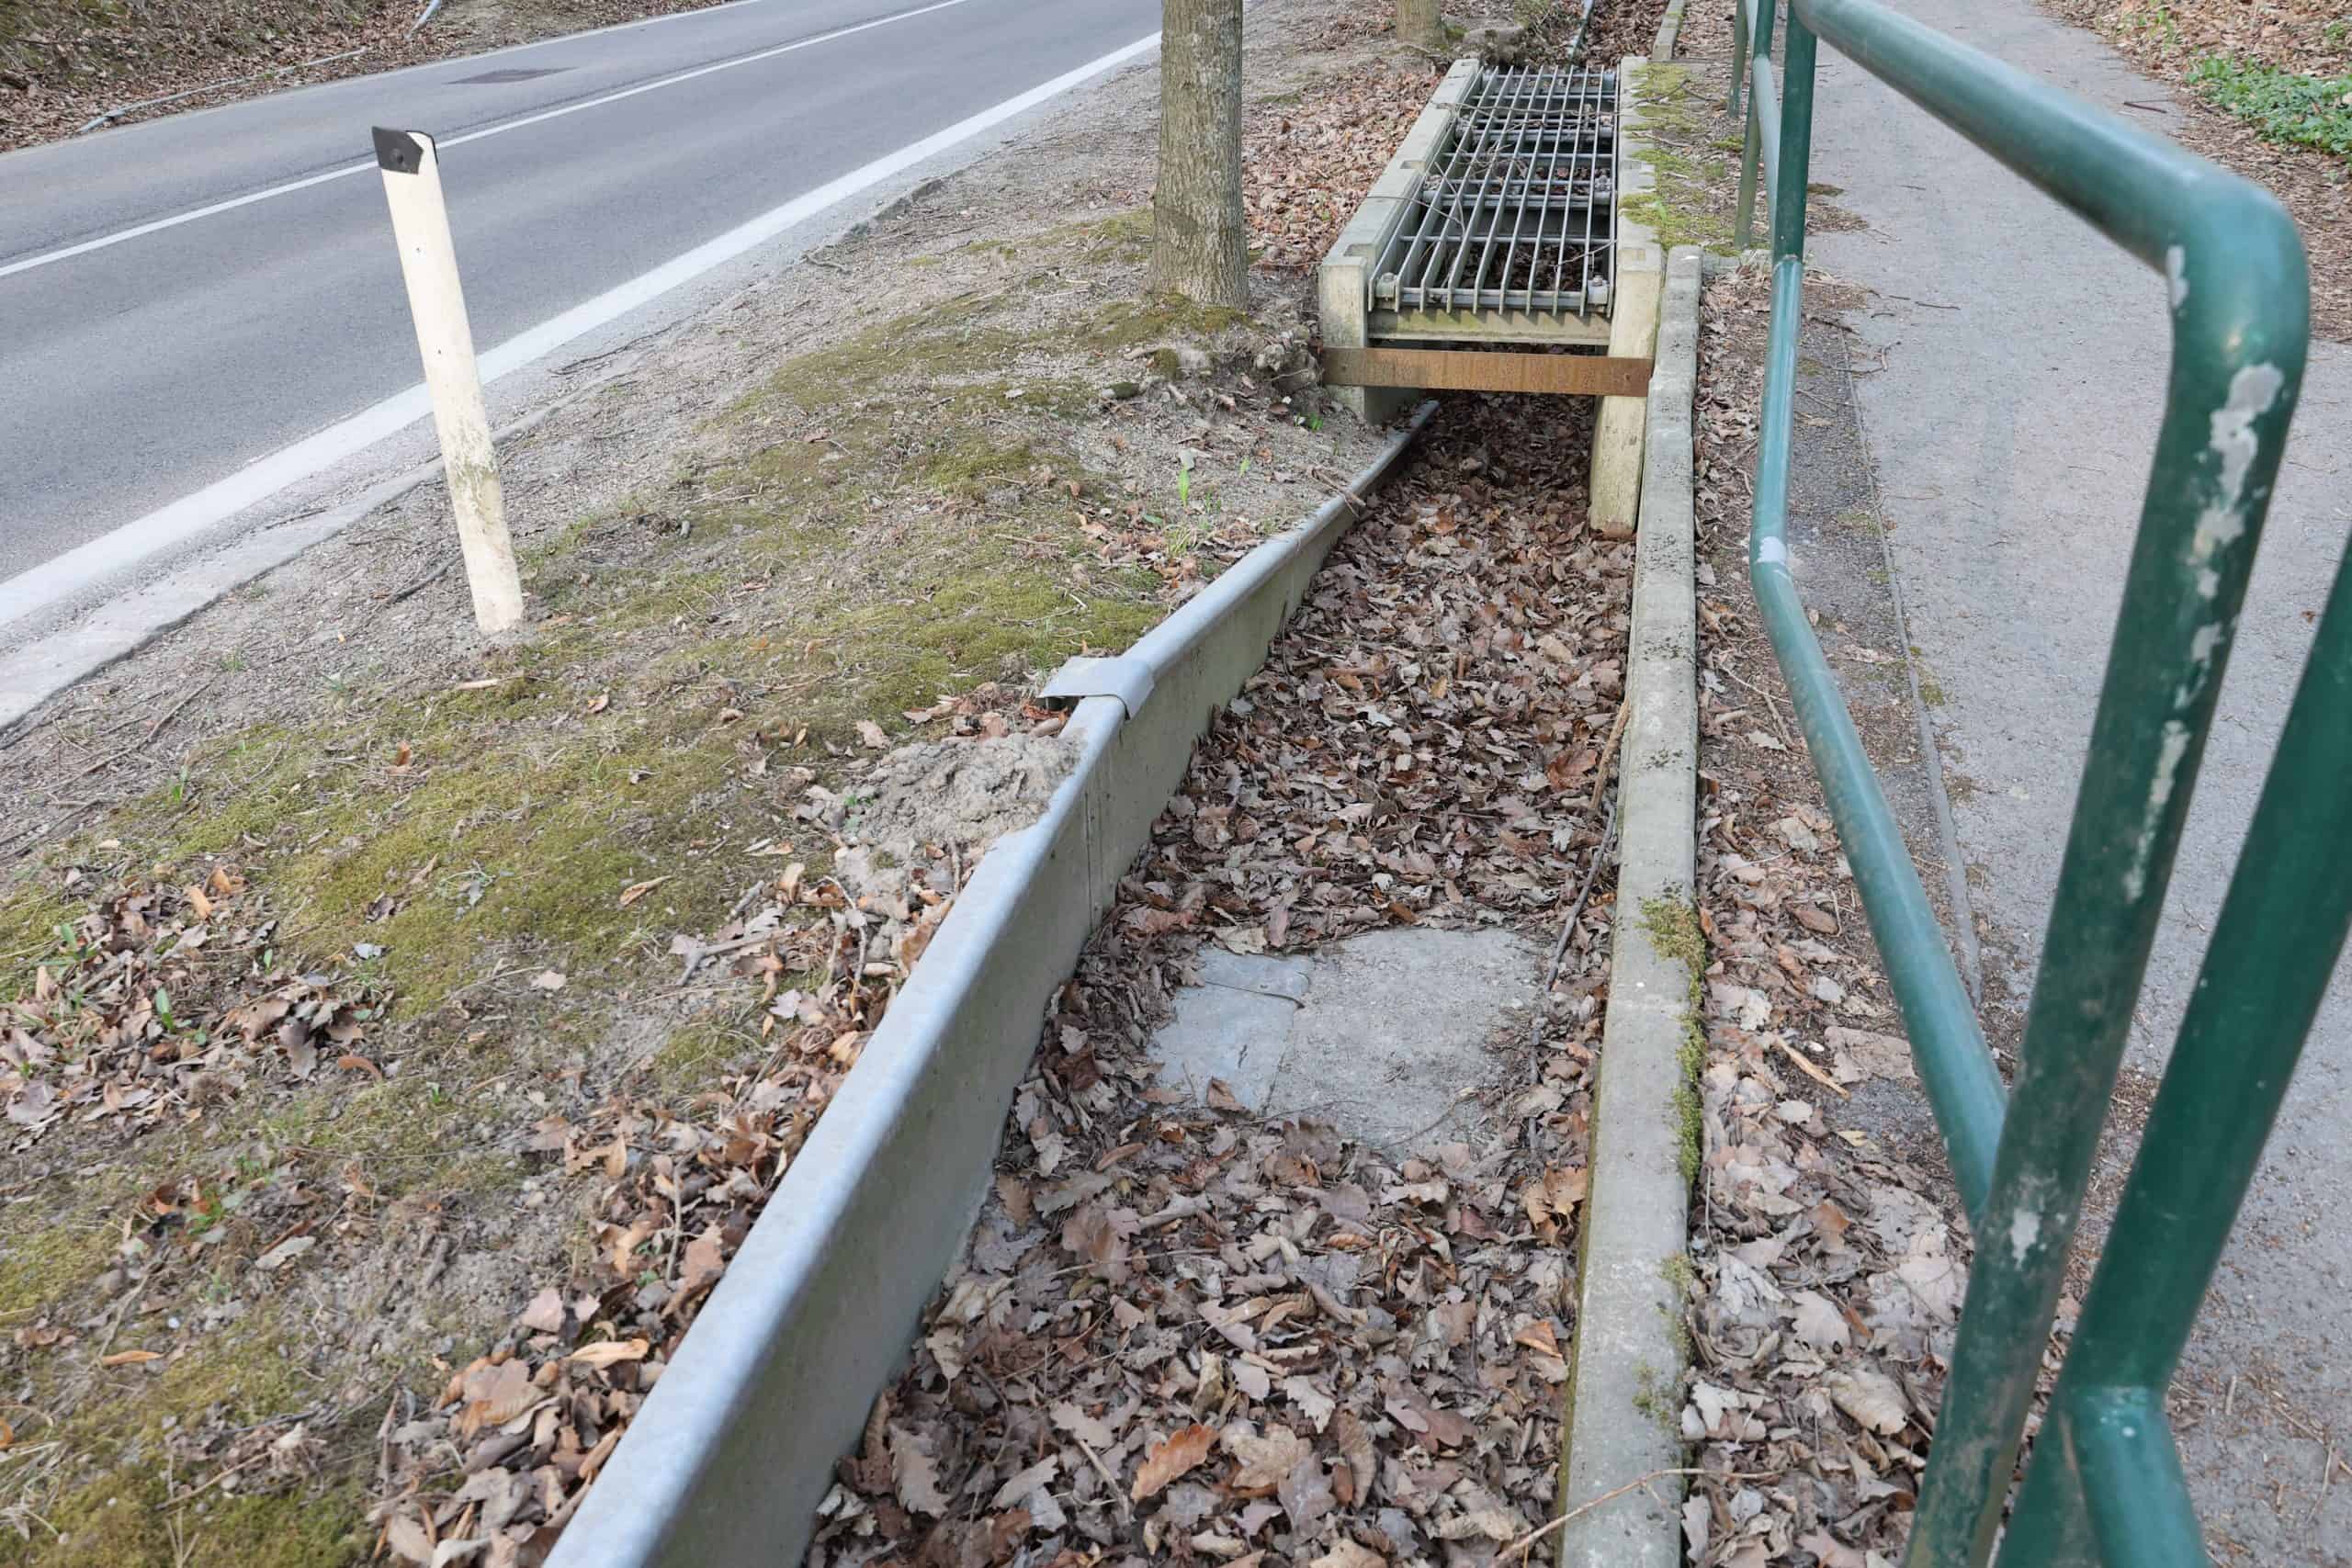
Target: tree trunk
1199,239
1419,24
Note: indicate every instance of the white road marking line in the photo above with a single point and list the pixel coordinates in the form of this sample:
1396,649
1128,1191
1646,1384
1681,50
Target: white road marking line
107,555
67,253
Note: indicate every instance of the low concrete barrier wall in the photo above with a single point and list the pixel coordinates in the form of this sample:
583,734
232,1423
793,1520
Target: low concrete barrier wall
736,1445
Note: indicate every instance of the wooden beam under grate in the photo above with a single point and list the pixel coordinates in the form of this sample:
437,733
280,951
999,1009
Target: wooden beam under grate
1455,370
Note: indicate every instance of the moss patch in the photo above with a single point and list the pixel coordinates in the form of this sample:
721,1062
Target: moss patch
123,1520
1678,208
1672,926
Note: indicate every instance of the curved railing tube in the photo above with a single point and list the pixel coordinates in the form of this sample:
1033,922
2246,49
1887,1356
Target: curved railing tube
2107,1485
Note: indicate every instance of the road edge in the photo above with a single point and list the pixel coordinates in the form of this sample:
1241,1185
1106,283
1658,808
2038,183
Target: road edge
1625,1389
203,556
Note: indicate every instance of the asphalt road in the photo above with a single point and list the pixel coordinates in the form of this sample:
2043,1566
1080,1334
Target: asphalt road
138,368
2016,370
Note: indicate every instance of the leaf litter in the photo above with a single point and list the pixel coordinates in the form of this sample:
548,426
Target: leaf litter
492,1470
162,999
1189,1331
1828,1269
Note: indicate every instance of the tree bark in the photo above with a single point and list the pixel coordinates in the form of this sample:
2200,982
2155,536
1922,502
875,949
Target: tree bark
1419,24
1200,240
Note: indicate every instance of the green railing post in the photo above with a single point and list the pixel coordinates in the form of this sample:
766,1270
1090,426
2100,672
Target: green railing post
1797,51
1738,53
2140,1513
2282,927
2238,345
1955,1067
1758,50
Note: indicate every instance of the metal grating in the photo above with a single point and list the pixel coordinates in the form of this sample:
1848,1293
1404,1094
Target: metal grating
1519,209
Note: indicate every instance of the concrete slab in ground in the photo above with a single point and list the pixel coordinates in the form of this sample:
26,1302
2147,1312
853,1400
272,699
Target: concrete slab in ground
2009,377
1385,1036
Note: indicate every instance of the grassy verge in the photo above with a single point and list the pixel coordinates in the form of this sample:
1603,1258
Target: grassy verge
2284,106
501,858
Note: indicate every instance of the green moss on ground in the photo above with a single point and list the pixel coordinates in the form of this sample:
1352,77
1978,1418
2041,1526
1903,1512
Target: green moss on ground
931,537
1677,209
1672,926
124,1518
1158,319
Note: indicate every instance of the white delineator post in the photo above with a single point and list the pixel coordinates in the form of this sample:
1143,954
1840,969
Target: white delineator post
446,340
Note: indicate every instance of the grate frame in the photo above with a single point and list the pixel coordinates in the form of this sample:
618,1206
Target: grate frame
1517,212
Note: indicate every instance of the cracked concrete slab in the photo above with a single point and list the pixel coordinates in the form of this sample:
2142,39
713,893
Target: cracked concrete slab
1385,1036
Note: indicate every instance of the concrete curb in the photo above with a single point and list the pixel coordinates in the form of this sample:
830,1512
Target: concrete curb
1669,28
1343,281
81,646
1617,435
734,1448
1626,1393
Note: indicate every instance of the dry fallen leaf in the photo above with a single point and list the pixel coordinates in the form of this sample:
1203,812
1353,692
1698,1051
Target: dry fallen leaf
703,1266
1263,1459
636,890
493,1394
544,1315
285,1252
131,1358
548,980
1176,1454
1819,1323
610,1353
1871,1397
916,1474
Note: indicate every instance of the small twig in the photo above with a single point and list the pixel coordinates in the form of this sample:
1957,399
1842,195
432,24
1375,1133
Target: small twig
1526,1543
152,730
1591,870
1816,1073
422,583
121,1312
1127,1510
1770,705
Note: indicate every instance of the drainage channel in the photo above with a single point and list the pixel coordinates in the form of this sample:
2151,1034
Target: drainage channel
1512,235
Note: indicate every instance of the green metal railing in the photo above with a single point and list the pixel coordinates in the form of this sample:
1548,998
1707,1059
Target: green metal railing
2104,1482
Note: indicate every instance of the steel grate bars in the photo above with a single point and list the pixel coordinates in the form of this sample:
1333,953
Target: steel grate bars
1518,211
